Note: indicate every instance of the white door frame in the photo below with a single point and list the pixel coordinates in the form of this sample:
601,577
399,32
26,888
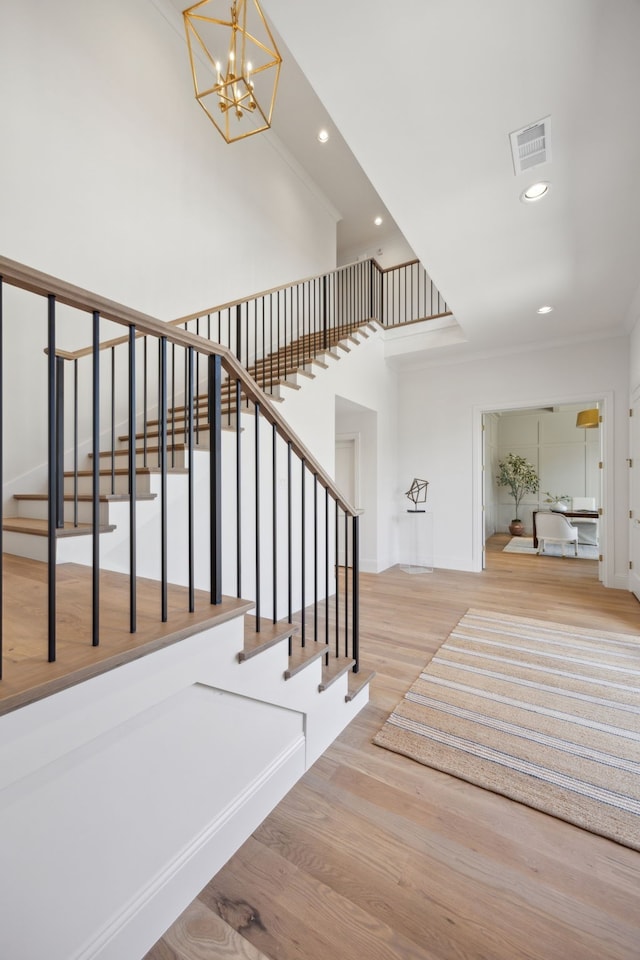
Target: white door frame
606,526
634,453
349,441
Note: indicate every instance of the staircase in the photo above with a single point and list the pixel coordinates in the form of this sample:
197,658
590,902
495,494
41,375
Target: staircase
285,370
127,782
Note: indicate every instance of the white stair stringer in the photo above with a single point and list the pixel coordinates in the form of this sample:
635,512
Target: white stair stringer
122,796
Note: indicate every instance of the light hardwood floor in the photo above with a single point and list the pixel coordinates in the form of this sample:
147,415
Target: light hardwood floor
374,856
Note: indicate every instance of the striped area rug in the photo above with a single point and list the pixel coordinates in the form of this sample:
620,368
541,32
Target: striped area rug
544,713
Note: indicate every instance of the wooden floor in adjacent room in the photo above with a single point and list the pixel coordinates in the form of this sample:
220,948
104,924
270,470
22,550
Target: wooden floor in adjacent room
374,856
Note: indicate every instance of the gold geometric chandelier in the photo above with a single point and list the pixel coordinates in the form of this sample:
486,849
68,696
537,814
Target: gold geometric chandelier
235,65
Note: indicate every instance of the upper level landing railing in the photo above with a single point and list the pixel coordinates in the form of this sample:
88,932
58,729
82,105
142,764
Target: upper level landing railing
286,328
275,541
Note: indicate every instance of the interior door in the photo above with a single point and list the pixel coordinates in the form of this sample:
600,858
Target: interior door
346,481
634,496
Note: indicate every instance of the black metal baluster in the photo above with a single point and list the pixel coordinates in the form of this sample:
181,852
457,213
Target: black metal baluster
238,332
325,281
271,349
52,478
289,538
278,345
145,386
414,280
406,296
337,576
173,405
162,451
315,557
185,387
246,325
95,484
355,592
257,508
190,511
132,481
274,514
303,539
197,387
215,474
326,569
238,492
75,444
298,322
59,443
113,420
346,584
264,355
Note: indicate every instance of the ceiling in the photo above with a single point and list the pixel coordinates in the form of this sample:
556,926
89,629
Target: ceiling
298,117
425,95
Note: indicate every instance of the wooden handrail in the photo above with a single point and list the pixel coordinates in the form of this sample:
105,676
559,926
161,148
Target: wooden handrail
117,341
284,286
26,278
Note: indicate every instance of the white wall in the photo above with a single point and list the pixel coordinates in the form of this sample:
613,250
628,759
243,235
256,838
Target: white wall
439,407
112,177
363,378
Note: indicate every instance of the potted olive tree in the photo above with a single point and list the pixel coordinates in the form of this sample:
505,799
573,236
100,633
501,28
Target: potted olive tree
520,477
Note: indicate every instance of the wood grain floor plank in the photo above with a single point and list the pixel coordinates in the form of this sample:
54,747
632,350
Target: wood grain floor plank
374,855
201,934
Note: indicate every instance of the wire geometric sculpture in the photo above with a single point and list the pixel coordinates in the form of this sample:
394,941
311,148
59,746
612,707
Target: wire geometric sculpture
417,492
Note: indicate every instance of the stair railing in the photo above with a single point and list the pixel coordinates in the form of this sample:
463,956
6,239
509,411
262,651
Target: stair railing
287,328
284,329
278,539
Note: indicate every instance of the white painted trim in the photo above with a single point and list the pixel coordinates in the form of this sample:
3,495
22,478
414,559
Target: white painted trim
355,439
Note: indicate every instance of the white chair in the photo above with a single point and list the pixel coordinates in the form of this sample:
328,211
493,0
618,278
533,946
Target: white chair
587,528
555,528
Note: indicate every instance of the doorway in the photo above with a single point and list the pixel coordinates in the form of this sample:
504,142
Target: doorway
545,436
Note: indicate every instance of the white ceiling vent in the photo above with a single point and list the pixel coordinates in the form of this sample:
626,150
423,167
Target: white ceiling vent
531,146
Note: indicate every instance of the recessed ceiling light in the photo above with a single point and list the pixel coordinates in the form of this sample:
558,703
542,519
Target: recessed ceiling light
535,192
545,309
323,136
378,221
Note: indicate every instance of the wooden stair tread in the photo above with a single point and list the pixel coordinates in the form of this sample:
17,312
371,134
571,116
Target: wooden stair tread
357,681
269,634
301,656
336,667
40,528
30,678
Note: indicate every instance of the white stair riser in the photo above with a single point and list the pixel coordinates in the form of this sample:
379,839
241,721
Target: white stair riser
175,458
38,510
120,485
